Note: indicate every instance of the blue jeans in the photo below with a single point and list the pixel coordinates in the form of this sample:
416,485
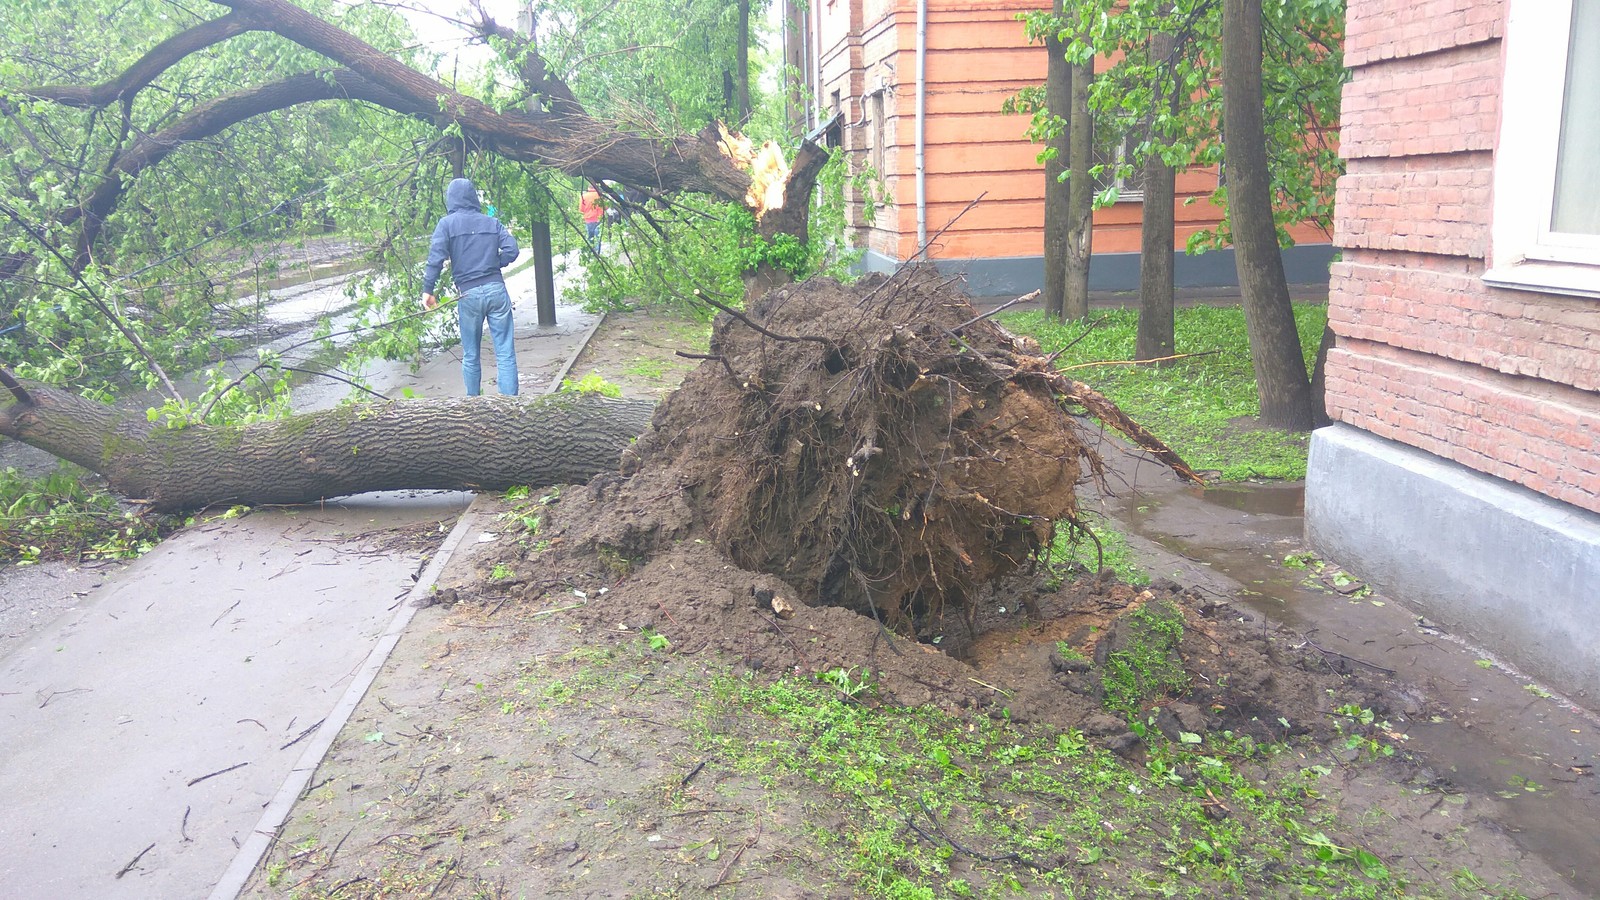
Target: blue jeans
592,229
487,301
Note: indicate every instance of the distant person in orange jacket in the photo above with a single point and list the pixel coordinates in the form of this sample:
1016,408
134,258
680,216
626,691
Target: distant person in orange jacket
593,211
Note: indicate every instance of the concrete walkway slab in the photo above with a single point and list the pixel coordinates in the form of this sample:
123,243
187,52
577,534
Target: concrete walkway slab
141,734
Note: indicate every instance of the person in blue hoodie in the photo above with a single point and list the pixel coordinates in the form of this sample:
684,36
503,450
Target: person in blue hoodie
478,247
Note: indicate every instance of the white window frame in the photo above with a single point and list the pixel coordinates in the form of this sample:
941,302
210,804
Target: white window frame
1523,252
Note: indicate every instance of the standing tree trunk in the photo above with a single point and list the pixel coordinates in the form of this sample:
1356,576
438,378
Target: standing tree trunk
1275,350
1319,380
544,279
741,61
461,443
1080,223
1057,193
1157,334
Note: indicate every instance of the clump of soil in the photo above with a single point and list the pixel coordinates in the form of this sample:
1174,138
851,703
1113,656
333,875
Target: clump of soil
863,476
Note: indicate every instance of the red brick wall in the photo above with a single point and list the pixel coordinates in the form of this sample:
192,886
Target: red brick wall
1505,382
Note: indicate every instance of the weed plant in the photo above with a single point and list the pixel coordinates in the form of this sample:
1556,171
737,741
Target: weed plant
1194,404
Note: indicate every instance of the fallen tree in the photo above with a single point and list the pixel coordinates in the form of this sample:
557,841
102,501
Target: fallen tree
461,443
564,136
881,445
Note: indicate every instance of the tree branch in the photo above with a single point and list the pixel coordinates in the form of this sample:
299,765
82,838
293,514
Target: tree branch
161,57
15,387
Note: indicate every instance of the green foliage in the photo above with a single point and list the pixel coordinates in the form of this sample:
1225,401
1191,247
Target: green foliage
1048,814
1303,77
527,511
1199,406
698,248
658,65
847,683
208,224
56,516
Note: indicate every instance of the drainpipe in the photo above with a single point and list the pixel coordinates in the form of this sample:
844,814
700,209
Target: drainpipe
814,116
922,100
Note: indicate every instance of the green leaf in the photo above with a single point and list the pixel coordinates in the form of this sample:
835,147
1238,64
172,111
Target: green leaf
1371,865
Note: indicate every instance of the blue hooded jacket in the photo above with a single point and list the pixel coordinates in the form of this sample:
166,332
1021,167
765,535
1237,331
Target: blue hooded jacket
478,246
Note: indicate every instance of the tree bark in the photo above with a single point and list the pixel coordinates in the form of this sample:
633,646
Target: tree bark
1057,194
461,443
565,137
1080,222
1157,333
1280,368
1319,380
741,61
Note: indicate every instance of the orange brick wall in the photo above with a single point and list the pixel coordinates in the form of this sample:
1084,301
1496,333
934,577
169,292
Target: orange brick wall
1502,381
976,59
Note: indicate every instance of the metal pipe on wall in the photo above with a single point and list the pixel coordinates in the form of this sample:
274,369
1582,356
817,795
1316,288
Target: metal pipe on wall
922,99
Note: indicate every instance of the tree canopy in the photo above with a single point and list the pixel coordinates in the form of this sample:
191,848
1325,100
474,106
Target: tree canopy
154,143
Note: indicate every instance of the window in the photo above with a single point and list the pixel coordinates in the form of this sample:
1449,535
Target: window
1545,231
879,133
1112,152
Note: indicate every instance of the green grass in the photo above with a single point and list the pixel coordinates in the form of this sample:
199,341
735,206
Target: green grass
1073,553
1192,403
894,802
1031,811
642,367
1149,667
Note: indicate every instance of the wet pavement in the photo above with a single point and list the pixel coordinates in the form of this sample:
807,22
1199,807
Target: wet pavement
159,718
1474,721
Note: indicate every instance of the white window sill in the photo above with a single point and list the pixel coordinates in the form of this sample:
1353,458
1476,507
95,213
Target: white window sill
1549,277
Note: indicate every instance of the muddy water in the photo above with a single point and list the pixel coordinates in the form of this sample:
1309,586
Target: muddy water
1476,723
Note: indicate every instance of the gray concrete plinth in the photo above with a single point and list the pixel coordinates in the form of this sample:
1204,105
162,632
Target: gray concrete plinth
1511,569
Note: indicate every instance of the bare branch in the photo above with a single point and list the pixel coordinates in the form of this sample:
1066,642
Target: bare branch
14,386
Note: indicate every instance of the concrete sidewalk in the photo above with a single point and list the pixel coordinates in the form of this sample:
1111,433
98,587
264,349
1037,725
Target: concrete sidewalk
152,732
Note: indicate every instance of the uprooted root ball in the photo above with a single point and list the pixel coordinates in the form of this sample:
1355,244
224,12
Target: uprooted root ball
875,445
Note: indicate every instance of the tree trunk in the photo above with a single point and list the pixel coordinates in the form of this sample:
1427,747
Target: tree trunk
461,443
544,277
1275,350
1057,194
1080,222
741,61
1157,334
1319,380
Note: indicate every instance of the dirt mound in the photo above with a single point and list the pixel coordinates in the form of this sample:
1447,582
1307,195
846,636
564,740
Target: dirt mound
858,479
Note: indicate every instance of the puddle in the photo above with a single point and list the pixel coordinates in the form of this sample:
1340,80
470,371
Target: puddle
1501,738
1272,500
